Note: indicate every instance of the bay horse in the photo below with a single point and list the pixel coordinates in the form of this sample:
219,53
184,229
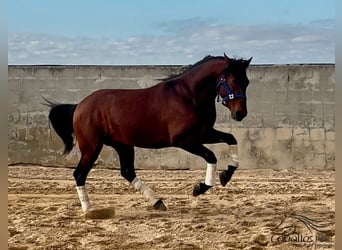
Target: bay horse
177,112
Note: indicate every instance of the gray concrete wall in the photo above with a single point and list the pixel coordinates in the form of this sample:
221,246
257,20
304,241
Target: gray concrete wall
291,120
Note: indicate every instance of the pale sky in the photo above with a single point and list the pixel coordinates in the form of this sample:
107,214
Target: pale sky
155,32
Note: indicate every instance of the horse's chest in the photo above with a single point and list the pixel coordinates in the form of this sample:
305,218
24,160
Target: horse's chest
207,116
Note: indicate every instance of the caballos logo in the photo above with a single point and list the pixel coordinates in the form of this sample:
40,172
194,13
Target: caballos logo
295,228
298,238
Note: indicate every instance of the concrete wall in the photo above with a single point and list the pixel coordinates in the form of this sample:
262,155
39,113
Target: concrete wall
291,121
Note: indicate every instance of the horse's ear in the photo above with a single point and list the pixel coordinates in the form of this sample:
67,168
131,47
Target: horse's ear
249,61
226,58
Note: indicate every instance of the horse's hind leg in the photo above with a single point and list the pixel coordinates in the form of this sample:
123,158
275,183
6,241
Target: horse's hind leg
86,162
126,155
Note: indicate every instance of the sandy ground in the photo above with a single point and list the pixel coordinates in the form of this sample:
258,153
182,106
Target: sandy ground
251,212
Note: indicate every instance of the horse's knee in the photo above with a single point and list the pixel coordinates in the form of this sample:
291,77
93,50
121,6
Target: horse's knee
231,140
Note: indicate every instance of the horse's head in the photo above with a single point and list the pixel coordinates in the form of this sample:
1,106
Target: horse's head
232,85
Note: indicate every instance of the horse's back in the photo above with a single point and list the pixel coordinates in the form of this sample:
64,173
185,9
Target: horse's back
130,116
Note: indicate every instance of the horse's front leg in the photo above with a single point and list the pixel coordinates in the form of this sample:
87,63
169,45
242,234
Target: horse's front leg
215,136
211,160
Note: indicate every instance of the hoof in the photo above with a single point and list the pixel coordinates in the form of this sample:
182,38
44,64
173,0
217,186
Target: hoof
226,175
159,205
200,188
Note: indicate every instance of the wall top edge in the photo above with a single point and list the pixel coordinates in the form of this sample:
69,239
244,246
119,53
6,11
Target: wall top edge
146,66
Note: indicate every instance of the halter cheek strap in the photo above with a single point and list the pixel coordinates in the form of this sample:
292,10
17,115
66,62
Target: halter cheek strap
223,83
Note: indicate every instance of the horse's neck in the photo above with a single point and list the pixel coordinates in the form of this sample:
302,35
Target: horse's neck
203,85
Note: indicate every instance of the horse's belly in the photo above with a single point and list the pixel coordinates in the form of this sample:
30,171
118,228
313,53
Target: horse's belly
148,137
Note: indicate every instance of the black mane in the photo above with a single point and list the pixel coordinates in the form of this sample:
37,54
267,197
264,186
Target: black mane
187,68
235,64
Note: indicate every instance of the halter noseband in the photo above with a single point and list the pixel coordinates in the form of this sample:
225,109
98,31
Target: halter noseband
230,96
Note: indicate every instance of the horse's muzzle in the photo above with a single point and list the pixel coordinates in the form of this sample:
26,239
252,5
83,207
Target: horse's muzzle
238,115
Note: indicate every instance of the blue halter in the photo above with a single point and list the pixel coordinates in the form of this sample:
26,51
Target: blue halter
230,96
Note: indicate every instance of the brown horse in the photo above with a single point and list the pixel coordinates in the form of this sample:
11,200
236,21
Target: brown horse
178,112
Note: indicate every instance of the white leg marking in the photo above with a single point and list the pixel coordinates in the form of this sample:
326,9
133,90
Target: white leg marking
210,176
234,155
140,186
82,195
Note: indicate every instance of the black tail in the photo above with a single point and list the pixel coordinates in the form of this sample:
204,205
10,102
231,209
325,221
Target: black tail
61,118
